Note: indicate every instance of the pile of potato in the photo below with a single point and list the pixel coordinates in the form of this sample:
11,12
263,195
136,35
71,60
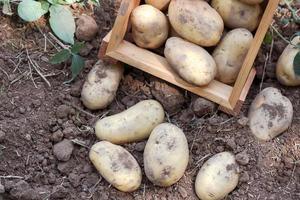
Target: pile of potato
186,27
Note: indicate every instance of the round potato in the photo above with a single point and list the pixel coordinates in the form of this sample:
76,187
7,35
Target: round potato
270,114
230,54
101,85
166,155
159,4
116,165
285,66
131,125
193,63
184,17
217,177
252,2
150,27
237,14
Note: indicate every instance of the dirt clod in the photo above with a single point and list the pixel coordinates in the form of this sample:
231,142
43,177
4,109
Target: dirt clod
63,150
57,136
22,190
202,106
242,158
2,189
62,111
2,136
182,192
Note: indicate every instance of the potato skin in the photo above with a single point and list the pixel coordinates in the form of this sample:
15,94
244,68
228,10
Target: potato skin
285,67
131,125
217,177
159,4
237,14
252,2
184,17
116,165
193,63
166,155
230,54
150,27
101,85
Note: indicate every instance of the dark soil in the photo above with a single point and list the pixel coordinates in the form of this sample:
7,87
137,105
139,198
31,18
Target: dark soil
34,117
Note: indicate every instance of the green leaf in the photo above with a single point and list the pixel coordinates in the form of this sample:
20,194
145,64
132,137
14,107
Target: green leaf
76,67
95,2
268,38
30,10
297,64
77,47
61,56
62,23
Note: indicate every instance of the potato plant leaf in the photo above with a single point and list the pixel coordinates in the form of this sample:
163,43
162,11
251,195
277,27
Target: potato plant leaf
61,56
268,38
77,47
30,10
297,64
62,23
76,67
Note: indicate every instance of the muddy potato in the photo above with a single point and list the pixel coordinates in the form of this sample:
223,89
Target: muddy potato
150,27
270,114
237,14
252,2
101,85
285,69
131,125
166,155
116,165
159,4
217,177
193,63
184,16
230,54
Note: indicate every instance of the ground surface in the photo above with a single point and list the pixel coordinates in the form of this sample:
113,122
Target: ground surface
34,116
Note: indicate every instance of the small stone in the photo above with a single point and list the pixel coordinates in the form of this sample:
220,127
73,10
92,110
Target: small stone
288,162
65,167
63,150
28,137
201,106
2,189
57,136
182,192
140,146
169,96
2,136
51,178
62,111
87,28
242,158
244,178
22,110
243,121
69,132
231,143
74,179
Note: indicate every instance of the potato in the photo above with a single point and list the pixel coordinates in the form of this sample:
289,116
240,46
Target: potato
131,125
237,14
270,114
150,27
217,177
101,85
285,68
230,54
166,155
116,165
159,4
193,63
252,2
196,21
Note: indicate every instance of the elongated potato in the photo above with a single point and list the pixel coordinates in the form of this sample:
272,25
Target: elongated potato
285,68
237,14
159,4
101,85
217,177
116,165
131,125
166,155
252,2
193,63
230,54
196,21
150,27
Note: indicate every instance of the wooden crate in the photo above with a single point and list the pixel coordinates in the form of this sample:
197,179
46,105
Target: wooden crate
230,98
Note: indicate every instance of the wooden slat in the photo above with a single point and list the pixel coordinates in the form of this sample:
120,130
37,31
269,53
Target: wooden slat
120,27
249,60
159,67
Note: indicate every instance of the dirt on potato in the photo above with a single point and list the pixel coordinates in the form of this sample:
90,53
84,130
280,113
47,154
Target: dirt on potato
36,114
